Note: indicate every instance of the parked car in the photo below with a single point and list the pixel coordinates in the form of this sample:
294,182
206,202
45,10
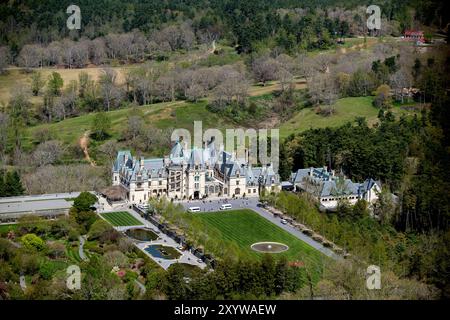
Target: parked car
226,206
194,209
283,221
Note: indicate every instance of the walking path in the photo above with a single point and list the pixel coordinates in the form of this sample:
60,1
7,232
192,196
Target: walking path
141,286
22,282
81,249
84,144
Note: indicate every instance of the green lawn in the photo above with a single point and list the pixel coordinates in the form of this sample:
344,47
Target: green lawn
73,254
245,227
178,114
5,228
122,218
347,109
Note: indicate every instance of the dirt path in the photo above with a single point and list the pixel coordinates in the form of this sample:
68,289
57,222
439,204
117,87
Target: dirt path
256,90
84,144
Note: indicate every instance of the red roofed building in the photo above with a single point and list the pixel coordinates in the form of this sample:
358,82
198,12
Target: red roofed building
414,35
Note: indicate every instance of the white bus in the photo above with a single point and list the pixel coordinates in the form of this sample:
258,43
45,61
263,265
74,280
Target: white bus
225,206
194,209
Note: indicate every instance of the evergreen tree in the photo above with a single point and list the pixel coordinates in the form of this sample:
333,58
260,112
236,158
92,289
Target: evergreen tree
2,183
175,286
13,184
55,84
100,126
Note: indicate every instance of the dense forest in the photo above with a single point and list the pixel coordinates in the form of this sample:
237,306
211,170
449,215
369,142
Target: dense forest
289,23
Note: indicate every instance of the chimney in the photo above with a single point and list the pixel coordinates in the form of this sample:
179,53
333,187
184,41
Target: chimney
142,163
311,171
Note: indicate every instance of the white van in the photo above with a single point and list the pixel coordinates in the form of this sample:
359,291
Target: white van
194,209
225,206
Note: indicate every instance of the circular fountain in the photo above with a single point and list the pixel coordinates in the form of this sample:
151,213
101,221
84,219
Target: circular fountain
269,247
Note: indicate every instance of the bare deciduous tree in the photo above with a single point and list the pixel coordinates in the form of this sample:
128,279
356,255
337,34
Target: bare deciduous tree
5,58
97,51
234,86
111,93
4,123
48,152
265,69
64,178
323,89
401,81
31,56
109,148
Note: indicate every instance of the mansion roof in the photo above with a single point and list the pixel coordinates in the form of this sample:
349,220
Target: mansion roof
134,169
327,184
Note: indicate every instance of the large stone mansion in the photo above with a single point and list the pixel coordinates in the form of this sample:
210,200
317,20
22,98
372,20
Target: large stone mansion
194,173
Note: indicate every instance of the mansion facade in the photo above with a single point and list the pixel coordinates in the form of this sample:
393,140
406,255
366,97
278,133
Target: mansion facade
329,189
187,174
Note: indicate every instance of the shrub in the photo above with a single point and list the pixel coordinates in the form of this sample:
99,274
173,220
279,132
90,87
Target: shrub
33,242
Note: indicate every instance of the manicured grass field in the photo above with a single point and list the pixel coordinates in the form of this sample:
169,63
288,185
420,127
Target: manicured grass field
245,227
122,218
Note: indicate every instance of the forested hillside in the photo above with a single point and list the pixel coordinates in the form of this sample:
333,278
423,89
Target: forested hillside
287,22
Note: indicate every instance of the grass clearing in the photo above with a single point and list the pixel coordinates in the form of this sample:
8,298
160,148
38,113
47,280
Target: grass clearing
163,115
16,77
72,253
245,227
347,110
121,218
5,228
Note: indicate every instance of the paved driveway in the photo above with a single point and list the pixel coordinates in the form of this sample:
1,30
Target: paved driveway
251,203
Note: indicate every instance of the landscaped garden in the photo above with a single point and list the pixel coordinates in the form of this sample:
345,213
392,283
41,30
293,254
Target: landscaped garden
121,218
41,250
